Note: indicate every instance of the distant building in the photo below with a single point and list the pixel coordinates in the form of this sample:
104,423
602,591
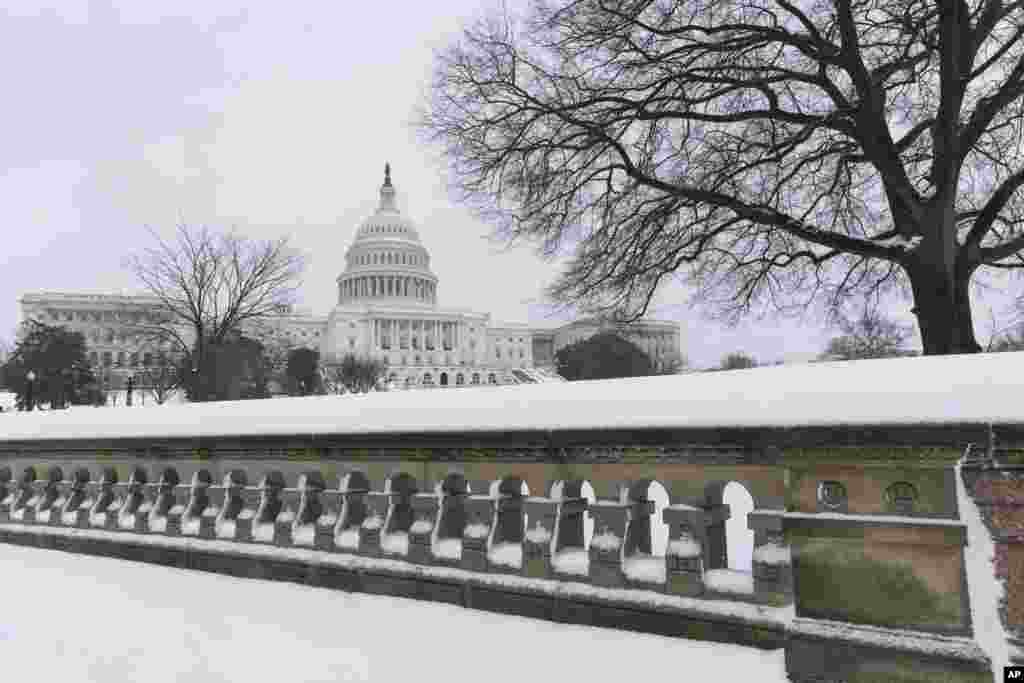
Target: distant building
387,308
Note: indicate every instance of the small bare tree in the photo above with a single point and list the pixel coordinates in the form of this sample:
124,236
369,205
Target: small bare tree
211,284
354,375
870,335
161,377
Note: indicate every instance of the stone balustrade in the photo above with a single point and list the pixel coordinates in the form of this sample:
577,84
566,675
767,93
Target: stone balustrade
452,527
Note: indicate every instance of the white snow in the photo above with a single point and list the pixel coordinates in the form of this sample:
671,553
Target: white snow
772,554
208,628
304,534
327,519
729,581
156,524
606,540
264,533
575,561
286,515
477,531
683,547
907,244
878,519
349,538
396,543
967,388
43,516
126,521
507,555
211,511
248,513
915,641
190,526
98,519
374,522
646,568
226,529
177,510
448,548
538,534
421,526
984,588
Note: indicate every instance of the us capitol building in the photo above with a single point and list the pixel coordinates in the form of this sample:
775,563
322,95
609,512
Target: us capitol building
388,308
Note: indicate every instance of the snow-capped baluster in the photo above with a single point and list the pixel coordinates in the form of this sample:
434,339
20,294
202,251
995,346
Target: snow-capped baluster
194,522
425,512
478,529
394,539
354,487
165,515
569,559
286,517
103,511
131,516
606,546
771,563
47,499
7,493
23,507
330,505
76,507
311,485
226,524
506,546
684,555
451,521
372,526
264,526
537,540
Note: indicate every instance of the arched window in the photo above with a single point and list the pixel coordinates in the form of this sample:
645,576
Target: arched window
460,379
475,379
444,379
427,378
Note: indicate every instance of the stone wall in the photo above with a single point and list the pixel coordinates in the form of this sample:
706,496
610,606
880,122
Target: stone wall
858,542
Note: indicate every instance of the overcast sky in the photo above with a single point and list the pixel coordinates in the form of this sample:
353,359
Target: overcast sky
275,118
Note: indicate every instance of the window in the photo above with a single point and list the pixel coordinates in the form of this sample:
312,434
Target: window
476,378
491,379
831,495
147,359
427,378
460,379
108,359
93,358
497,353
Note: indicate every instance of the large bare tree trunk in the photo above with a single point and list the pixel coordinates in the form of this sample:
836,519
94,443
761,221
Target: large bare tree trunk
940,282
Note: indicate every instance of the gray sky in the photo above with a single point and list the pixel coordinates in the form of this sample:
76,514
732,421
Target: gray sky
276,118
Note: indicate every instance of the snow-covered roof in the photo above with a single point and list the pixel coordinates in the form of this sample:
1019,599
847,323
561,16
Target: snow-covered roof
976,388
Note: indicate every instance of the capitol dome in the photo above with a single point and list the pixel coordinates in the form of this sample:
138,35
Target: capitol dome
386,261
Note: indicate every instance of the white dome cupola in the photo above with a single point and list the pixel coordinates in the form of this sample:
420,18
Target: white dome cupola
386,261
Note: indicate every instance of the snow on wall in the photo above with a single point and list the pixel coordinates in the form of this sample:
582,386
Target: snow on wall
573,561
984,588
645,568
729,581
772,554
507,555
683,547
969,388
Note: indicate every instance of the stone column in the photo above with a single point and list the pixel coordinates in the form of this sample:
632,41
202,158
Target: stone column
479,519
606,546
537,540
684,554
772,565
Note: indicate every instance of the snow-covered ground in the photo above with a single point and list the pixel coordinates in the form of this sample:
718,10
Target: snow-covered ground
79,618
973,388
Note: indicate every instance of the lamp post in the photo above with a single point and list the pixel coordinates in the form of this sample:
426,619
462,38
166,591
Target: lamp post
131,386
30,378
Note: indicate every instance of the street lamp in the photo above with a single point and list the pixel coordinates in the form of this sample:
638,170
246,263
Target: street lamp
30,376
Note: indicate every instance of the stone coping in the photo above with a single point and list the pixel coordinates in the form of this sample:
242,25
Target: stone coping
718,610
881,520
917,642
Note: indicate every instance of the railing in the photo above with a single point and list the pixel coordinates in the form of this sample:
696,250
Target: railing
444,525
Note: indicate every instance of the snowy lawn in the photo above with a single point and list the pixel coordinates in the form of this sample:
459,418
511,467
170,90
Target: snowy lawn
974,388
79,618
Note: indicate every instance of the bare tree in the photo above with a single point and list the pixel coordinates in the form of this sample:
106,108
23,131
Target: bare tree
161,377
209,285
869,335
737,360
773,153
354,375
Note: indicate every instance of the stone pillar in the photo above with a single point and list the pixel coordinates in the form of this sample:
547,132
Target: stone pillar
479,518
610,518
425,510
537,541
353,487
194,522
373,526
772,562
684,554
226,525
